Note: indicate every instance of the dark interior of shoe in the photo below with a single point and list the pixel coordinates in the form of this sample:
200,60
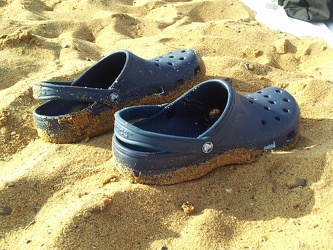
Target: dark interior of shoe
192,115
62,107
104,73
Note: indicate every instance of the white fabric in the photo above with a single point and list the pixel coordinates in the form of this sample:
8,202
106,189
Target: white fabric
275,17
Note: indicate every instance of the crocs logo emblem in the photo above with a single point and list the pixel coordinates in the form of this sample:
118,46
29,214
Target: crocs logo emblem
207,147
123,132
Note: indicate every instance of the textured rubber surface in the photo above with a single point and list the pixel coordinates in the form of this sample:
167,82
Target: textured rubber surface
85,107
209,120
123,76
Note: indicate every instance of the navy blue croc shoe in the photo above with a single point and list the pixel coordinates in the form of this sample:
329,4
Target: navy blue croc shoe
85,107
209,126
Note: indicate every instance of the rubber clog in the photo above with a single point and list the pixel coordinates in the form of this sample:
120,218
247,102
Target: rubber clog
209,126
85,107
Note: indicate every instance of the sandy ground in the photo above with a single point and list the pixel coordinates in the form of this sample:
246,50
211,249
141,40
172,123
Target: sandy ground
69,196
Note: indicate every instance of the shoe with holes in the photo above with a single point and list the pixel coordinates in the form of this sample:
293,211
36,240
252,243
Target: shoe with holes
85,107
209,126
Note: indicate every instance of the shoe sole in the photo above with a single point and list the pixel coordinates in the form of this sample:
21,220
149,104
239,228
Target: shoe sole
232,157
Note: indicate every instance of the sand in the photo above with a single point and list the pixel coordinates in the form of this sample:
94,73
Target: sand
70,196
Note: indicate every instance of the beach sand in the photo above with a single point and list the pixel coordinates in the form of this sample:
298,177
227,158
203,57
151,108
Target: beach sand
70,196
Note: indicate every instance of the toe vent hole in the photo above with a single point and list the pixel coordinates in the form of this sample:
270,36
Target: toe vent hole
286,100
197,70
271,102
278,91
158,90
264,122
182,58
285,110
180,82
266,108
277,118
170,64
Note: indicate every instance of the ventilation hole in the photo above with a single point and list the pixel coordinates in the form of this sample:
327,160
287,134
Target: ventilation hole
278,91
169,63
285,110
182,58
171,56
271,102
266,108
252,98
197,70
156,64
266,96
250,101
259,92
263,122
180,82
158,90
277,118
183,51
171,112
291,135
286,100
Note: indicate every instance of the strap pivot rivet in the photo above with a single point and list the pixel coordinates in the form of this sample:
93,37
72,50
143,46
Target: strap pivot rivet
207,147
114,97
